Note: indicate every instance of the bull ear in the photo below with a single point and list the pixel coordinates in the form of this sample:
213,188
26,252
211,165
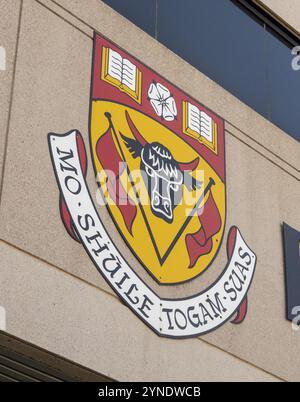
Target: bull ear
190,166
137,135
193,183
134,147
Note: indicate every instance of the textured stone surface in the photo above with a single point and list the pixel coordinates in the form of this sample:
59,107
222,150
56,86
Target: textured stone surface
100,333
9,11
52,94
287,10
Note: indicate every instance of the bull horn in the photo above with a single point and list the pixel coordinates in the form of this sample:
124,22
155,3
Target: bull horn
189,166
134,130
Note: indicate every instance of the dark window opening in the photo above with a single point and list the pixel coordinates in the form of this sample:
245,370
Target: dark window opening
233,42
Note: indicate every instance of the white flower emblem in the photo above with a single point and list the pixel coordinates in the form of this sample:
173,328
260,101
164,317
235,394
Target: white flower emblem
162,101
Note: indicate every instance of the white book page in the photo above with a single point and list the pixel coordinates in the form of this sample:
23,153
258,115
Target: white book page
194,118
115,65
129,74
206,126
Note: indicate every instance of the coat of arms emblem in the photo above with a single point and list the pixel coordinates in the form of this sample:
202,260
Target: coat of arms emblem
159,158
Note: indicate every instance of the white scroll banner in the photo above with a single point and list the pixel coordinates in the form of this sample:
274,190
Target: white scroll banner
178,318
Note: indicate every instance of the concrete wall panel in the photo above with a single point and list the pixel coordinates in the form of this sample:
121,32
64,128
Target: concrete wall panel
101,333
9,23
52,94
285,10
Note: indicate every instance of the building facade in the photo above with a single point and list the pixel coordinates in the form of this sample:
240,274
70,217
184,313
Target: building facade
58,314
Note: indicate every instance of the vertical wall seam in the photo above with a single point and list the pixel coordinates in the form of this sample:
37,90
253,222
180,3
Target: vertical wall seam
11,100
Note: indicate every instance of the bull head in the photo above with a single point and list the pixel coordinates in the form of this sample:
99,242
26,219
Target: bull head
162,174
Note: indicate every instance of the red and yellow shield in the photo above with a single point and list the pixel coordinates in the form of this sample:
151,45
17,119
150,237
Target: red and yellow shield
160,161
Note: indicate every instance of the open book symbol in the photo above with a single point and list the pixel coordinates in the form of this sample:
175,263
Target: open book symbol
121,73
199,125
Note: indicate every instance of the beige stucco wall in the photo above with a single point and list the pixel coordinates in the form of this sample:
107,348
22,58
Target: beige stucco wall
52,293
10,15
287,11
72,318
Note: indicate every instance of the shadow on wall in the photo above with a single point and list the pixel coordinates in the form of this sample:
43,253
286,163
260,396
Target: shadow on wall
2,59
2,319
